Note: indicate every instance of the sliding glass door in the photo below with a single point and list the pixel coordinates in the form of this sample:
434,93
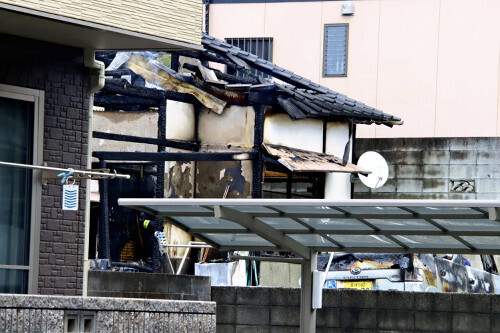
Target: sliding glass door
18,144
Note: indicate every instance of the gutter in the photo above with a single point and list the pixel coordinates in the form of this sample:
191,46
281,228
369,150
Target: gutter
97,79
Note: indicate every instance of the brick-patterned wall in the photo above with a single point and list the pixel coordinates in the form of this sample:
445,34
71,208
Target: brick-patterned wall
435,168
60,73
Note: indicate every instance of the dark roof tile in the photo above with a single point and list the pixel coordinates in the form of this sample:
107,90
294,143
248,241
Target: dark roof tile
312,99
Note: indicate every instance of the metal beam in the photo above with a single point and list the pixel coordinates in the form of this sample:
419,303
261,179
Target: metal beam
270,259
307,313
263,230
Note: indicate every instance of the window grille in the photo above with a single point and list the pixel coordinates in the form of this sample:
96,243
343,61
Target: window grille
261,47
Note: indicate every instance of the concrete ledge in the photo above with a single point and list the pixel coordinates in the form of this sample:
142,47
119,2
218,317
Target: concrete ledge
149,285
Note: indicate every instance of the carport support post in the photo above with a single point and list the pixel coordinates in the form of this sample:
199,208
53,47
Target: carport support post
307,313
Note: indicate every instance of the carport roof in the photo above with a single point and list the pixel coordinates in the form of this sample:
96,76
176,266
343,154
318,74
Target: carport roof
302,226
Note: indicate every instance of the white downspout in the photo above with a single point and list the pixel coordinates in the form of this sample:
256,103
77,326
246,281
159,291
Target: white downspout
97,79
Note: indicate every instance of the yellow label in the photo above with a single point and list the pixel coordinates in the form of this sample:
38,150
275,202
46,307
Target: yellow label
361,285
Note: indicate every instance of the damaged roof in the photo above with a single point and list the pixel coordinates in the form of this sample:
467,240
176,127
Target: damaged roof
295,95
298,160
299,97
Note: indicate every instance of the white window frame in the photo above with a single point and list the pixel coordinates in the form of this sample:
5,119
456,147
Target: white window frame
37,97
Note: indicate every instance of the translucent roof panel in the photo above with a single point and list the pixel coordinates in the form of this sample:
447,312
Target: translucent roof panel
431,242
312,240
375,210
448,211
483,226
238,240
364,241
306,211
404,225
335,224
484,242
254,210
305,225
197,223
283,223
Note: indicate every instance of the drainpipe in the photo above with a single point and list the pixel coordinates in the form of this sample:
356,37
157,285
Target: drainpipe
97,79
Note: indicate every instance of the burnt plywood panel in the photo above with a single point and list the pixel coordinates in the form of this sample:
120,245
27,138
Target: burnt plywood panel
298,160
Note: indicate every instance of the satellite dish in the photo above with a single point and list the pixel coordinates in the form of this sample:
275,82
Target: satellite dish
375,163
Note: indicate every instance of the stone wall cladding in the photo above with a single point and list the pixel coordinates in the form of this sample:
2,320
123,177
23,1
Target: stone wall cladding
59,72
258,309
424,168
34,314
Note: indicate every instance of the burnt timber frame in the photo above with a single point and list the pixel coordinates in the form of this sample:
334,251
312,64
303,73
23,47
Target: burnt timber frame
118,94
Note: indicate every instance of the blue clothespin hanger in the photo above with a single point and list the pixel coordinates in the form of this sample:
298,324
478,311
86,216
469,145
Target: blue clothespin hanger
65,175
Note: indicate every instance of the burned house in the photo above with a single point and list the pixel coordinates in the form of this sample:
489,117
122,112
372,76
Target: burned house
214,123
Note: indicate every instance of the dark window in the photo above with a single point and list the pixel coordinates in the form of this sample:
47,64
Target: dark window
335,50
261,47
293,186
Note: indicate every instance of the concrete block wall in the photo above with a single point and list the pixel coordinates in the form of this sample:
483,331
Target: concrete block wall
59,72
37,314
149,285
257,309
429,168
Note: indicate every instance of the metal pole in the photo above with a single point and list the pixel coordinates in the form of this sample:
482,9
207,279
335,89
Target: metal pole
307,313
80,173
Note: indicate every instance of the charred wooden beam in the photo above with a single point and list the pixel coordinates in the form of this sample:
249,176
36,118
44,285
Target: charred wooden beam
151,141
128,107
117,73
123,87
223,76
175,156
234,78
206,56
110,100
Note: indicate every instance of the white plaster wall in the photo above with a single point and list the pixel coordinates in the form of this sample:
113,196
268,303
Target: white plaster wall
233,127
180,121
337,185
305,134
127,123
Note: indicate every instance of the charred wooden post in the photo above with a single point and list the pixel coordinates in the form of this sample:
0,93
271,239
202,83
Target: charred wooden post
160,179
174,61
104,242
258,163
